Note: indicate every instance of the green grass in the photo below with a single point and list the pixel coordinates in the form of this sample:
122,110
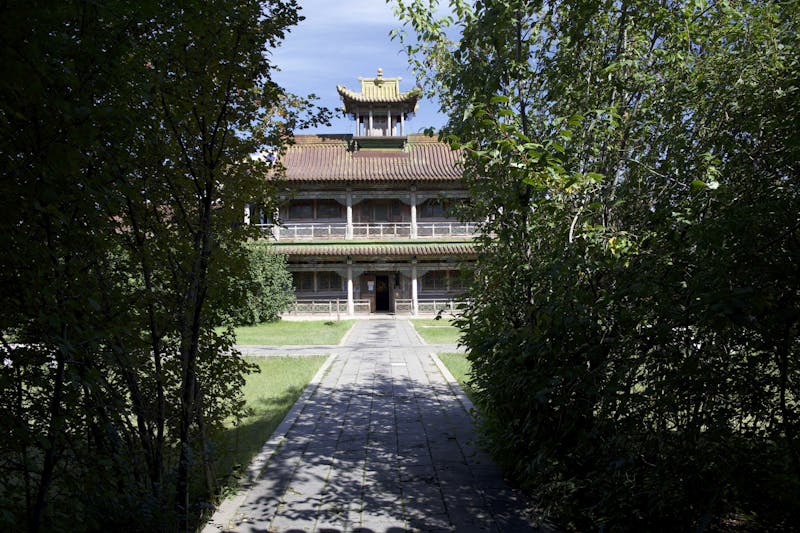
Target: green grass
460,367
312,332
268,397
436,331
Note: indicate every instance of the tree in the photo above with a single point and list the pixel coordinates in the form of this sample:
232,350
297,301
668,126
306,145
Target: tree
127,133
634,337
267,286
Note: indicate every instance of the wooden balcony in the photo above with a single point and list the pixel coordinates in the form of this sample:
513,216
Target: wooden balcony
376,231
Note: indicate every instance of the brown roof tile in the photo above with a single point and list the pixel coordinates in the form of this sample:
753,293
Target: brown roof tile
328,158
424,249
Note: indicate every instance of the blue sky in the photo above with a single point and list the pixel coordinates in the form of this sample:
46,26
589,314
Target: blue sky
339,41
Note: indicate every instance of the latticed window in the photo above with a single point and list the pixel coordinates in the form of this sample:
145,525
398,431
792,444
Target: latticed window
435,209
328,281
328,209
457,281
441,280
436,280
303,281
301,210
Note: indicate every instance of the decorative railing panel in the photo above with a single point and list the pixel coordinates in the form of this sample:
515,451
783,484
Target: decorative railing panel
446,229
382,230
322,231
330,307
312,231
429,305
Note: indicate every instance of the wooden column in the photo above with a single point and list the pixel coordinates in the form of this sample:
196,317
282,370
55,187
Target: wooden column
414,298
413,213
348,234
276,230
350,303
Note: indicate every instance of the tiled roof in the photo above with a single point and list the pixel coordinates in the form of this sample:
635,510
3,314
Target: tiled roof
379,90
329,158
424,249
378,96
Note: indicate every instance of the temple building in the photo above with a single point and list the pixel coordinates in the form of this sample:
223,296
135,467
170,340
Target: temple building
366,218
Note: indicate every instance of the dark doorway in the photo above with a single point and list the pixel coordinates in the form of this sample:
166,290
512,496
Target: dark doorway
382,293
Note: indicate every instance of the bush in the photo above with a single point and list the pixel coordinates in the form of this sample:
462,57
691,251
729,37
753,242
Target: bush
267,288
635,332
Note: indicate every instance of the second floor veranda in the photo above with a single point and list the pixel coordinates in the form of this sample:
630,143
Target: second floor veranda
328,220
313,231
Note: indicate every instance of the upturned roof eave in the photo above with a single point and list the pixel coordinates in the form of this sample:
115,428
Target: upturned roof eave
352,98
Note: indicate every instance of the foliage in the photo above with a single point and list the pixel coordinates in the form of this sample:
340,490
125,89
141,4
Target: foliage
634,335
126,136
267,286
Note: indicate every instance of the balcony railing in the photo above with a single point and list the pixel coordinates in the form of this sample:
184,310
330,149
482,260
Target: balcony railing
330,307
429,305
322,231
311,231
382,230
446,229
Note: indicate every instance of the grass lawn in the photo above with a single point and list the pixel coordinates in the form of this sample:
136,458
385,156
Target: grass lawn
459,366
312,332
436,331
268,395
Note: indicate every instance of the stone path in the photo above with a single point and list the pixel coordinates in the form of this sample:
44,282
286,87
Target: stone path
383,445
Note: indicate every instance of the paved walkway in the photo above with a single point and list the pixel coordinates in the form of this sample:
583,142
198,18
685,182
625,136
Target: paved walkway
383,445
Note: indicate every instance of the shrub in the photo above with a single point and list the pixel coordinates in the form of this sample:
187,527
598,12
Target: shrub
267,287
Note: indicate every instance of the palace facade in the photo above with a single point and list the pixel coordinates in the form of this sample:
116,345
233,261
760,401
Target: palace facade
366,218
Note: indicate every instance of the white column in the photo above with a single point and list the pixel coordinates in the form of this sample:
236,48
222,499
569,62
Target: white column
389,127
350,303
358,124
276,230
414,299
402,124
247,214
413,214
370,122
349,203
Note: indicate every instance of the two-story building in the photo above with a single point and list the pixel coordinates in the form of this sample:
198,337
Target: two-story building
366,218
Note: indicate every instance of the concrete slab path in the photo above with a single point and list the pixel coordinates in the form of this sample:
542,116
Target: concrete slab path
383,445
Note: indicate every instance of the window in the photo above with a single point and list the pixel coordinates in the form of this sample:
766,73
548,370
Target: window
329,281
457,281
328,209
434,209
443,280
303,281
382,211
436,280
301,210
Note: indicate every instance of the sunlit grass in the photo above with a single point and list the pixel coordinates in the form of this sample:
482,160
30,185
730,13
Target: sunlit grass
268,397
460,367
436,331
281,333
